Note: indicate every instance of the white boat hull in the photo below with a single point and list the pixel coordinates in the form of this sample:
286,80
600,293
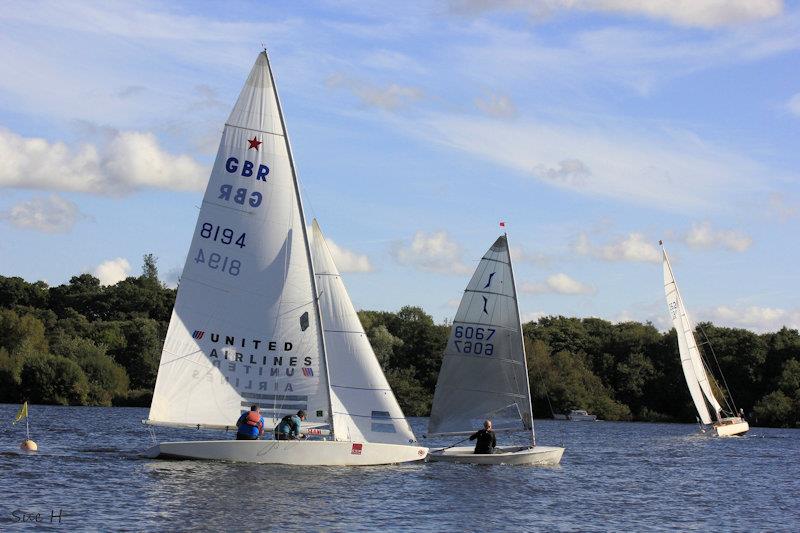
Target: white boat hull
729,427
291,452
504,455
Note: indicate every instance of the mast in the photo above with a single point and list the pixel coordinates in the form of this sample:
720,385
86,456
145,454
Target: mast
324,355
522,341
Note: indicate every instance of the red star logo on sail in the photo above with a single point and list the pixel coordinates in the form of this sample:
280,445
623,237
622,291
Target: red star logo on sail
254,142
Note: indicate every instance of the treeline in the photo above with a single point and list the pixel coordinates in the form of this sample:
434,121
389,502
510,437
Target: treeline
84,344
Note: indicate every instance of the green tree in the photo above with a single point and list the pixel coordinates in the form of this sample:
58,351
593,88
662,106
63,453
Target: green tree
51,379
383,344
18,331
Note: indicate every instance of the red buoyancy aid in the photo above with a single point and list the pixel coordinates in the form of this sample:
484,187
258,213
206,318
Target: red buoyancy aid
254,419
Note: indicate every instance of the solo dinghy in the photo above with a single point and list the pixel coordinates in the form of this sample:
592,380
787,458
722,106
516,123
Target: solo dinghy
484,372
253,323
694,368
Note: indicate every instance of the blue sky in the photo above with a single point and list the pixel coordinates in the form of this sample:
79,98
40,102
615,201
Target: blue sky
592,128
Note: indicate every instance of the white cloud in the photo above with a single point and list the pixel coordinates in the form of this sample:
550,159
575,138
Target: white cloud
532,316
634,248
666,169
387,97
172,277
754,317
112,271
697,13
781,207
348,260
558,283
794,104
130,161
434,252
52,214
498,106
705,237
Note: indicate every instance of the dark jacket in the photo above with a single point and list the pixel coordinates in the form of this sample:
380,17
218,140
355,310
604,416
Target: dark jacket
486,441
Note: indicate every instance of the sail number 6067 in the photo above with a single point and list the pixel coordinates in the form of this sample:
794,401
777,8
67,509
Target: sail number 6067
473,340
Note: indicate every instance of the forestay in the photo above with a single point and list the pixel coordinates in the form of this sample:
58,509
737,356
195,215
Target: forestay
245,327
691,361
364,407
484,374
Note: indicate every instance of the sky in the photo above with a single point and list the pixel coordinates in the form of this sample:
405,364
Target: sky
593,128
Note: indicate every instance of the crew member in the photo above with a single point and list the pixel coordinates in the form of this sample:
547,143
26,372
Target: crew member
289,426
250,425
486,440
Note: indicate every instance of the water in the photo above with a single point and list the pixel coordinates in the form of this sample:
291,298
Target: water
613,477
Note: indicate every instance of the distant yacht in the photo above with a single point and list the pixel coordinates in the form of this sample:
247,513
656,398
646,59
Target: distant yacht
694,368
579,415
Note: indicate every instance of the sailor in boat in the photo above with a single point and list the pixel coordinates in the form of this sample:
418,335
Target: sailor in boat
289,426
486,439
250,424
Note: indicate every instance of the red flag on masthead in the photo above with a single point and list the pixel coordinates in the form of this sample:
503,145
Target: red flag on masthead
502,224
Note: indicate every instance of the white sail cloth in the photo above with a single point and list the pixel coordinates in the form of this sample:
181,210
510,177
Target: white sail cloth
364,407
484,374
245,327
691,361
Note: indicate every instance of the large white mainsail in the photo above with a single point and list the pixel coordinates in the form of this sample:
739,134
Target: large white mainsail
245,327
484,372
691,360
364,407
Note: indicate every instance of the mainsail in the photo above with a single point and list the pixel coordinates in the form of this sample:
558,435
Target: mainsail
364,407
691,360
484,372
245,327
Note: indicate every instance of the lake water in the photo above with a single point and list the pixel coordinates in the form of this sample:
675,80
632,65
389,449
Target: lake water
613,477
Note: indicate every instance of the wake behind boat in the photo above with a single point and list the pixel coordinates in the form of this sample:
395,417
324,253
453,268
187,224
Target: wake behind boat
484,372
694,368
250,326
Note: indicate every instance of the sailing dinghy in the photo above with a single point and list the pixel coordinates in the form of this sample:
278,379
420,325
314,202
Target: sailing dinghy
249,323
694,368
484,372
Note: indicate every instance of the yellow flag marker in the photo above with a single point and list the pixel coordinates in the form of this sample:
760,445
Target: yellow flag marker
22,413
27,444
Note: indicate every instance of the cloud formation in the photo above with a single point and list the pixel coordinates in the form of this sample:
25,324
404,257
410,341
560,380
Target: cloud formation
433,252
52,214
497,106
755,317
112,271
692,13
348,260
128,162
703,236
634,248
558,283
670,170
794,104
390,97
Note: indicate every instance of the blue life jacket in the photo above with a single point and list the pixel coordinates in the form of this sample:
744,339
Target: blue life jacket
247,429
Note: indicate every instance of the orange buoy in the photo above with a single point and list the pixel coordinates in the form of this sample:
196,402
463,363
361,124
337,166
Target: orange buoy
29,446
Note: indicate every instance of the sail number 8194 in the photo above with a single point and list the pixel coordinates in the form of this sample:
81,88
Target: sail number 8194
473,340
219,262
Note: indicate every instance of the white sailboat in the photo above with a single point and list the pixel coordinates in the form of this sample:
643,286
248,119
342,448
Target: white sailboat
694,369
484,372
247,326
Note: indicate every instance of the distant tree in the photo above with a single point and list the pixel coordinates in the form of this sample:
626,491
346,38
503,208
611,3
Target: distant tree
18,331
149,267
384,344
54,380
142,351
